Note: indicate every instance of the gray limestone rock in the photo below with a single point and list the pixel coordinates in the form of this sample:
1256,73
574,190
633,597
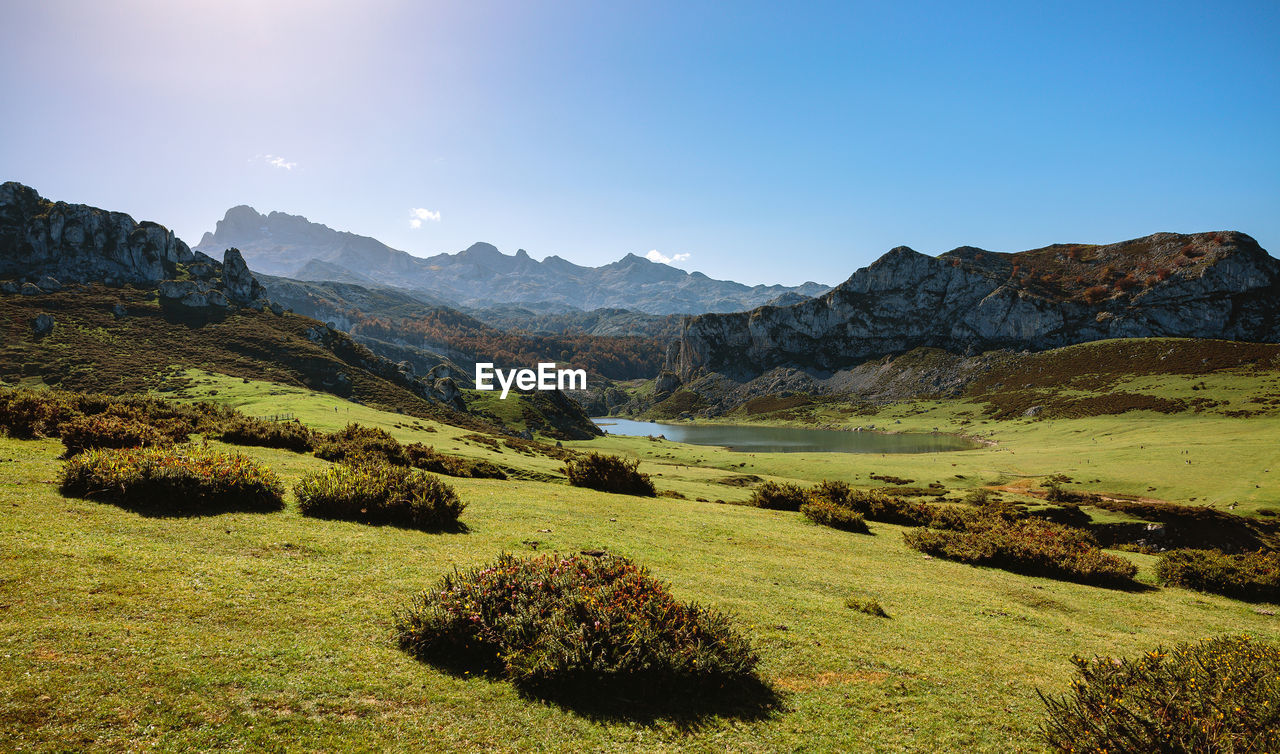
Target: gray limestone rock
42,325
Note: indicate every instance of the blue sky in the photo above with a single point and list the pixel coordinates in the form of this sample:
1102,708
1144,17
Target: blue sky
769,142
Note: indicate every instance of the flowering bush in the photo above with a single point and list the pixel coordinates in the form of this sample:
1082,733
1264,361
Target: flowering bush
577,626
379,494
1032,547
167,480
778,496
1247,576
1219,695
609,474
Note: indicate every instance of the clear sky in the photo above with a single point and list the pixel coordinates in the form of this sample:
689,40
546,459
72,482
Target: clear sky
768,142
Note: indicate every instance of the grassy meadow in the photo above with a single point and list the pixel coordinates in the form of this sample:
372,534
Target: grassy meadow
254,632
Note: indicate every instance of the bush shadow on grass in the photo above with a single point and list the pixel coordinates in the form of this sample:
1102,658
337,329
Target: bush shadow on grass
633,700
152,509
452,527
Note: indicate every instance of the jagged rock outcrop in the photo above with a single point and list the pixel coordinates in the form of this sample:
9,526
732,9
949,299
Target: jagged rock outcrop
1207,285
240,284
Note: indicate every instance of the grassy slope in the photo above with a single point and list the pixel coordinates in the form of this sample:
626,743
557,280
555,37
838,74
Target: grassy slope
271,631
1224,454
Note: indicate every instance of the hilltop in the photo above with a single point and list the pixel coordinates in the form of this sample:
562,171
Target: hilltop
292,246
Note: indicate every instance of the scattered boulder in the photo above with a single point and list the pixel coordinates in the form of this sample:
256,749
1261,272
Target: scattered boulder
49,284
10,286
1033,411
30,289
119,312
42,325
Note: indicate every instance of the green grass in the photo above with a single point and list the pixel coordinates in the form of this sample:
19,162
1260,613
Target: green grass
253,631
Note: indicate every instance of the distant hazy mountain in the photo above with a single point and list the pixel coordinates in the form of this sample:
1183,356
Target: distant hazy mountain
292,246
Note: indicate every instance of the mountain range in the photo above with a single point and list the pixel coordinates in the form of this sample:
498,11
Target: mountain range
291,246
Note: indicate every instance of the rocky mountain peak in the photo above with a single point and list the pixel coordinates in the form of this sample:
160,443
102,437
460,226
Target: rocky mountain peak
1203,285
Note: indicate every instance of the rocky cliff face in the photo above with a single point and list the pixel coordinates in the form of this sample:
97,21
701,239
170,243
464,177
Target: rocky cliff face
44,245
1207,285
76,243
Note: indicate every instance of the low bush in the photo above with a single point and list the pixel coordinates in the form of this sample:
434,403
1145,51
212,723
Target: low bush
777,496
26,414
877,506
427,458
168,480
609,474
1248,576
358,444
873,505
1216,695
379,494
42,413
108,431
870,606
835,516
580,627
248,430
1031,547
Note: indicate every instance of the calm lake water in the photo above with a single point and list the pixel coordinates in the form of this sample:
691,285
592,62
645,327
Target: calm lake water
787,439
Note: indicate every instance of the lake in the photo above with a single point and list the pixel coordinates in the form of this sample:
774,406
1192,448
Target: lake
759,439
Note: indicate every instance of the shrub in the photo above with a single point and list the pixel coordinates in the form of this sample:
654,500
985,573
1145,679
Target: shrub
877,506
379,494
27,414
166,480
357,444
1096,293
835,516
108,431
1219,695
609,474
873,505
831,491
1032,547
1247,576
427,458
247,430
870,606
579,627
778,497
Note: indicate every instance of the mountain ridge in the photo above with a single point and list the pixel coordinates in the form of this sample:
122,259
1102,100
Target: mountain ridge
1205,285
292,246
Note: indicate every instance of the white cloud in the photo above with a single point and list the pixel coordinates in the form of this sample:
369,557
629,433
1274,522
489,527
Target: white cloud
276,161
418,214
656,256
